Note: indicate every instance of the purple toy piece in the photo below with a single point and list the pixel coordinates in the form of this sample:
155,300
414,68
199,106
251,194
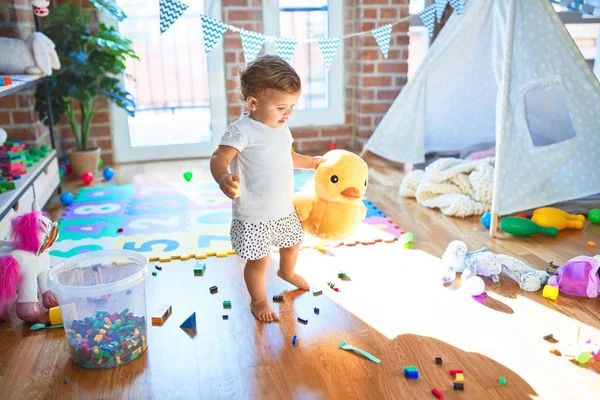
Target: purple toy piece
578,277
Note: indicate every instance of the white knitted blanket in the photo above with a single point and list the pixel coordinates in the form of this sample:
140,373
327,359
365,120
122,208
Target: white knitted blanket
457,187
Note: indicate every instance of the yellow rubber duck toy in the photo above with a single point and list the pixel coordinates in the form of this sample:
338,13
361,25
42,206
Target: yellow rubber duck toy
331,207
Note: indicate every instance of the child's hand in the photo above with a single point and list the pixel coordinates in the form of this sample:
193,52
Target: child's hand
316,161
230,186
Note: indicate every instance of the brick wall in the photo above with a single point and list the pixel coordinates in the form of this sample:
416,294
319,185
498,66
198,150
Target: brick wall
17,115
371,82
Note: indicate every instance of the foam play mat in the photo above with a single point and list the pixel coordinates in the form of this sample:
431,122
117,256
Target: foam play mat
177,221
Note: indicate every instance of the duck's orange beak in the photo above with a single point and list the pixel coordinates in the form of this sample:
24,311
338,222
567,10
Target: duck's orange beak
351,192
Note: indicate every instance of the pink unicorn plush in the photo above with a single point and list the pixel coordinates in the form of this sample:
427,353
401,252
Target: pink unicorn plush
24,265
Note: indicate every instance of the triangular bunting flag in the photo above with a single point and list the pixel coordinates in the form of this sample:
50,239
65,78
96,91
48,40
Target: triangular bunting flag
329,47
458,6
428,17
382,36
285,48
440,6
170,11
213,31
252,42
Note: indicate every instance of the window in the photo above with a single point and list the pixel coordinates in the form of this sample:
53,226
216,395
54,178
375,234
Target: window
548,117
418,36
322,100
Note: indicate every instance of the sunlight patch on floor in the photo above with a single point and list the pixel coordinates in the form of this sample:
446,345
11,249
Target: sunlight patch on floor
398,291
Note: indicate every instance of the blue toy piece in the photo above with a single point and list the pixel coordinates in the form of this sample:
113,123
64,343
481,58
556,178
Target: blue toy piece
486,220
66,198
294,340
411,372
108,173
62,171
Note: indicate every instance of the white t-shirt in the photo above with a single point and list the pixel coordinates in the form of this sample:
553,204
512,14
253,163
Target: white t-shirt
265,167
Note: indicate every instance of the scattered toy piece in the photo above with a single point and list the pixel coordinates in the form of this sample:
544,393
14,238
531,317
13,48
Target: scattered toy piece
304,321
342,275
555,352
456,371
120,230
459,386
437,393
158,267
316,310
278,298
583,357
548,337
591,243
502,380
227,304
411,372
161,314
550,292
213,289
189,325
225,317
320,292
154,273
199,268
438,360
294,340
336,289
460,378
67,380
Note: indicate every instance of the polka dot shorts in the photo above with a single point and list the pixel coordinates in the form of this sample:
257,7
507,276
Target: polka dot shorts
253,241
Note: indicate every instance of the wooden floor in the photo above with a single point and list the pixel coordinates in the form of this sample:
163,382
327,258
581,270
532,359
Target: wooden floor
394,307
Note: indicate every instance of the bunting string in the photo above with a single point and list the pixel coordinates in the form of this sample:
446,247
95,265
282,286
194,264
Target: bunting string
252,42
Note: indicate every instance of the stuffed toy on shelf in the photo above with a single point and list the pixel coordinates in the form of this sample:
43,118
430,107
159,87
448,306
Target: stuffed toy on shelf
35,55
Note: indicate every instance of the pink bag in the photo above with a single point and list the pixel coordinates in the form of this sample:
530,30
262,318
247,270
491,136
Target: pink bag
578,277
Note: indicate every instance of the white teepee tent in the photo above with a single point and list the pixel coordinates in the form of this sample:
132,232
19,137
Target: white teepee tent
504,71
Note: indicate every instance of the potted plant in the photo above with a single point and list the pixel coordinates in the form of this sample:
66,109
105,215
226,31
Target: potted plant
90,64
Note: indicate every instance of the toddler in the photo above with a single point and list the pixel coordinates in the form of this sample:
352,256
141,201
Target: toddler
254,166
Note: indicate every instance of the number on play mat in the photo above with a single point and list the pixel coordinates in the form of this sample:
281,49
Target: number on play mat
106,208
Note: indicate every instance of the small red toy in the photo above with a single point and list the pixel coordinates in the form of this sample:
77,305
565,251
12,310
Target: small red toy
456,371
87,178
437,393
331,146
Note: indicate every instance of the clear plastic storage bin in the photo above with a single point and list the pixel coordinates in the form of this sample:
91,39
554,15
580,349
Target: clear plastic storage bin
102,298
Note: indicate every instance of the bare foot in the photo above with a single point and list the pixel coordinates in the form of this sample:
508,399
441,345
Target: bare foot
263,312
295,280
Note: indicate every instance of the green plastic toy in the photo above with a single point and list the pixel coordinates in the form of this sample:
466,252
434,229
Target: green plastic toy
594,216
525,227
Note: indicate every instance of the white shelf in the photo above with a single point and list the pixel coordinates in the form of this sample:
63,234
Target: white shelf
8,198
20,82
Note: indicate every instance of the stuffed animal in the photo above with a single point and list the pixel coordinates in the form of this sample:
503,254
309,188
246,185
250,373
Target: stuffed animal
330,207
485,263
580,276
33,56
24,266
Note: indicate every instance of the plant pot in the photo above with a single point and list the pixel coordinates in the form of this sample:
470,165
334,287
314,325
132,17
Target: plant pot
84,161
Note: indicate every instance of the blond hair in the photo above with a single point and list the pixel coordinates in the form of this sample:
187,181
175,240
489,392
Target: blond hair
268,72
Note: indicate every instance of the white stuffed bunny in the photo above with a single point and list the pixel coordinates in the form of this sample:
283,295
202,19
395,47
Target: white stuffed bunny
482,262
33,56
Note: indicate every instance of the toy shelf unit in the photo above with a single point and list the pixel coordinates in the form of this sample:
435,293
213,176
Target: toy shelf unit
41,179
39,183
